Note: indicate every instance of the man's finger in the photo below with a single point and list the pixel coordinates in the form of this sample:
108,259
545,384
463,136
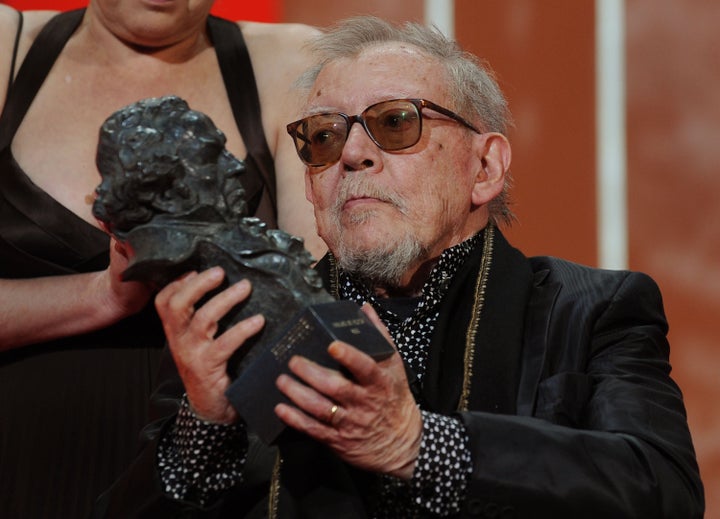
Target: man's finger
324,380
238,334
362,366
220,304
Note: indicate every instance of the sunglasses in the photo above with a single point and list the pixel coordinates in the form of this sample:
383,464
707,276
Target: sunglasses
392,125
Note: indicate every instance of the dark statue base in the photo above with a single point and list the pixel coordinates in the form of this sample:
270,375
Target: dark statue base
254,394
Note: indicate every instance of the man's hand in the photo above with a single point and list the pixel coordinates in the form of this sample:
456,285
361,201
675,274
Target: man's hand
201,358
371,422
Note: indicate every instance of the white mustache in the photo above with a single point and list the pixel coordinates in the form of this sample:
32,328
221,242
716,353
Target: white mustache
361,187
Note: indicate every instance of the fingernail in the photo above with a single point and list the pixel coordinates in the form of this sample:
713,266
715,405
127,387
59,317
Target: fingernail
216,272
293,361
335,349
257,319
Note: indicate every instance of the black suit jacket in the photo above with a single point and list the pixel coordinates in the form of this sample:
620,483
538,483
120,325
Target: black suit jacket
571,412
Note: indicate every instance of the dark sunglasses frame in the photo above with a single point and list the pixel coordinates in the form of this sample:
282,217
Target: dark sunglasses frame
301,141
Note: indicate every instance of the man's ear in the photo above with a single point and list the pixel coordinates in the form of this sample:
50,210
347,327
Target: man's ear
494,154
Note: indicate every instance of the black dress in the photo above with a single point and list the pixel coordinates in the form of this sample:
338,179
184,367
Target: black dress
71,409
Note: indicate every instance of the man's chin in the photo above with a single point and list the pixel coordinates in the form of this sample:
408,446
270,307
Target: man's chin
367,244
359,217
378,257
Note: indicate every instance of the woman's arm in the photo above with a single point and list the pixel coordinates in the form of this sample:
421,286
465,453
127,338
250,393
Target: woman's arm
42,309
8,29
279,56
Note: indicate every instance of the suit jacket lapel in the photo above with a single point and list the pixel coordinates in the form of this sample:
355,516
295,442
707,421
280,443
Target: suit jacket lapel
537,324
498,342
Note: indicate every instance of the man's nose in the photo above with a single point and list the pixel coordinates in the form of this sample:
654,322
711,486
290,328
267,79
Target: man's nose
360,151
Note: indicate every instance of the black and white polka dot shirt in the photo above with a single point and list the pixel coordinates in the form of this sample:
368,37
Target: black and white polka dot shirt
199,460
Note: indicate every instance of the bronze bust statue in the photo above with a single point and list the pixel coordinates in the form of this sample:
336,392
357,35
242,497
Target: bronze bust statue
174,195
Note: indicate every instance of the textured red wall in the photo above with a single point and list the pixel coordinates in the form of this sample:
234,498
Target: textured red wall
673,103
545,62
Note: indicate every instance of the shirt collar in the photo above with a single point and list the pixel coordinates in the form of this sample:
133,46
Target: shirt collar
434,288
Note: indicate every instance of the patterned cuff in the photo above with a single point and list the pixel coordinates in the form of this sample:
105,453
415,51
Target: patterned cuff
198,460
443,466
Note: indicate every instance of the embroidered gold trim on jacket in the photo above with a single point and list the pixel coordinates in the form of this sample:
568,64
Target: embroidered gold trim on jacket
478,304
274,497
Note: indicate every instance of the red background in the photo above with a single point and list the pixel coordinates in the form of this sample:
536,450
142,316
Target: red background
266,11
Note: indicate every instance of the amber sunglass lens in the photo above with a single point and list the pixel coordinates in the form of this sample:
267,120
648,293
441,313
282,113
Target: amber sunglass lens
394,125
321,138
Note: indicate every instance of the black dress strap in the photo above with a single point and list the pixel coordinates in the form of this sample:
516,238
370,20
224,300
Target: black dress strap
239,79
38,62
16,44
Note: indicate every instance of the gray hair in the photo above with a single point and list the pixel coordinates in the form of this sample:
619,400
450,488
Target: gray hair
471,83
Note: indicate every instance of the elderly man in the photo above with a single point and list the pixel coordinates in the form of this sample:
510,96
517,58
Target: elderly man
522,387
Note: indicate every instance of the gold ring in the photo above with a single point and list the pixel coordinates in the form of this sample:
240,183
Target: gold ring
333,410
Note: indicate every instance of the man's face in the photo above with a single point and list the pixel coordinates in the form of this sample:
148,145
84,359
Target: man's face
373,203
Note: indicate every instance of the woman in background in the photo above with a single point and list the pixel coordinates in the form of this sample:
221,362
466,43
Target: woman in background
76,343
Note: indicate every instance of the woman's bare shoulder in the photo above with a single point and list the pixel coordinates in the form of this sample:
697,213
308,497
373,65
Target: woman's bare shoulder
279,52
278,32
32,23
9,22
278,42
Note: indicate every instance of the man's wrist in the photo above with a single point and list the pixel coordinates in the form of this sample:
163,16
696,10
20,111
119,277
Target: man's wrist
227,416
443,466
197,459
407,470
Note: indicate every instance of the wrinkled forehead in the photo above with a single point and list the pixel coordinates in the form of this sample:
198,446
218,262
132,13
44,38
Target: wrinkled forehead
380,72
